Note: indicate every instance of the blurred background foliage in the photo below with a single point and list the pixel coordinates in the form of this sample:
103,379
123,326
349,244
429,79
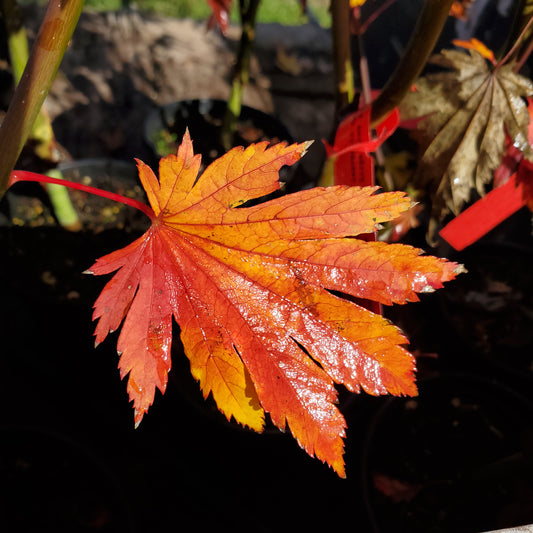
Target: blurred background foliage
288,12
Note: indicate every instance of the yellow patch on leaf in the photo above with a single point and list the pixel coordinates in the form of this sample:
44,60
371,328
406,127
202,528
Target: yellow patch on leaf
256,292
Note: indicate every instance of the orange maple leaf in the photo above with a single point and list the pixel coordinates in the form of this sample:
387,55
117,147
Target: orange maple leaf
251,288
475,44
459,9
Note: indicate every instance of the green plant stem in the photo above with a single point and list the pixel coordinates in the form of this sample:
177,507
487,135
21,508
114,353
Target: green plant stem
248,12
42,133
64,211
52,40
344,79
17,40
422,42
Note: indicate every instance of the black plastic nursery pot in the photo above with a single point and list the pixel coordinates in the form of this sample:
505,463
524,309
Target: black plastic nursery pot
56,483
164,127
27,204
97,213
490,309
456,458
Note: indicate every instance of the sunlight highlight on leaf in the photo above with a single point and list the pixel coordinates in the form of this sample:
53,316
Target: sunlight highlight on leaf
256,293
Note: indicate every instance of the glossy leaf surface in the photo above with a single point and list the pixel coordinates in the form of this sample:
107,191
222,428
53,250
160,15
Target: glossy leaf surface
256,291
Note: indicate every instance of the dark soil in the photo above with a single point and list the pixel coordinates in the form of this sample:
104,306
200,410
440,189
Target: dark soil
458,458
71,460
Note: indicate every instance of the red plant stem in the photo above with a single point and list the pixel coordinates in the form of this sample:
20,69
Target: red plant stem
523,58
366,87
516,45
23,175
373,16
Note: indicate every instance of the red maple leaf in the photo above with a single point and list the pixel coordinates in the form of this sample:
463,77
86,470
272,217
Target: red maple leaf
255,289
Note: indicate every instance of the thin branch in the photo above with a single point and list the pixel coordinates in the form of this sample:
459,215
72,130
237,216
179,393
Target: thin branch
248,12
517,44
344,80
52,40
24,175
373,16
423,39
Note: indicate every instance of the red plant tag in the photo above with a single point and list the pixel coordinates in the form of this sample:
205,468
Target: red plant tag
484,215
353,164
353,142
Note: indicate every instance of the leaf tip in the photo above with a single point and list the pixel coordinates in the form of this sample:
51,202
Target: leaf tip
427,289
460,269
88,271
305,146
339,468
138,416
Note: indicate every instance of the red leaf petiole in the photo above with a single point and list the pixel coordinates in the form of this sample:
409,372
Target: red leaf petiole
24,175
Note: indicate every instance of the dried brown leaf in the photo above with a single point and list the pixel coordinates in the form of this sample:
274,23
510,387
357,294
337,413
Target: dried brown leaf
469,110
